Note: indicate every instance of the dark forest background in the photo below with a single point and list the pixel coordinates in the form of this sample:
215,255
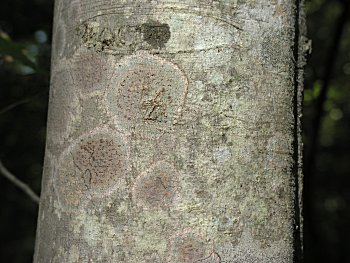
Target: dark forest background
25,36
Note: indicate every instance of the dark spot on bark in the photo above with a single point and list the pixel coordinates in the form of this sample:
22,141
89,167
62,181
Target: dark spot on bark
155,33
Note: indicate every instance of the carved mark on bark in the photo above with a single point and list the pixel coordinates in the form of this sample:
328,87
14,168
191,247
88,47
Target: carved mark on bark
147,89
131,37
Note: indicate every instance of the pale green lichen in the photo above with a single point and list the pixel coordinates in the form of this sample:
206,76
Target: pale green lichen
148,235
93,229
73,255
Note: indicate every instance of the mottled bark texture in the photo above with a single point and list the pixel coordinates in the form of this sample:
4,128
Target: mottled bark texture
173,133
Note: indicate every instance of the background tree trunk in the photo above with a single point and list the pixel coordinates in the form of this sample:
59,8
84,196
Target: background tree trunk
173,133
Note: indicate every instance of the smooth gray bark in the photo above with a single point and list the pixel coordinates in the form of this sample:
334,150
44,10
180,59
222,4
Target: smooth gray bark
173,133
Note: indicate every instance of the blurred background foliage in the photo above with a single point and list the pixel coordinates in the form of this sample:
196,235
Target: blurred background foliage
25,34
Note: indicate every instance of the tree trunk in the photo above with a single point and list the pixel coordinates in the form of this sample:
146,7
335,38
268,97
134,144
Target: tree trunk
173,133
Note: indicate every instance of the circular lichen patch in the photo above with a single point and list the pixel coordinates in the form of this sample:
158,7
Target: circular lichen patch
64,107
91,71
147,90
156,188
189,247
94,166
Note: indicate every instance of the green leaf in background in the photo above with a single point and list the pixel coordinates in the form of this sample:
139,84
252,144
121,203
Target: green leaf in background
10,50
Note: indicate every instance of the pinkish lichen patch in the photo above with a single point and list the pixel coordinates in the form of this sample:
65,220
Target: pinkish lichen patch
64,106
189,247
157,187
93,167
91,71
101,158
147,89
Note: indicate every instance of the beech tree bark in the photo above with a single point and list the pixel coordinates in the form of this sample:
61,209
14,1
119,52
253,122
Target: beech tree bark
173,132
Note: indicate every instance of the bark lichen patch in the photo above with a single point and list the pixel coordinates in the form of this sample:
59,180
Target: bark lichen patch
64,106
222,155
99,156
155,33
99,160
92,228
118,214
90,71
148,232
189,247
147,89
94,166
156,188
